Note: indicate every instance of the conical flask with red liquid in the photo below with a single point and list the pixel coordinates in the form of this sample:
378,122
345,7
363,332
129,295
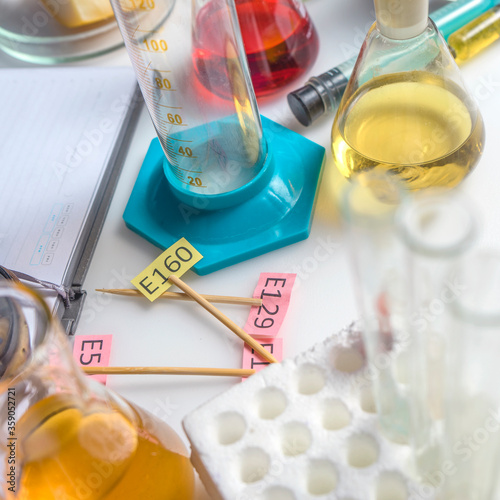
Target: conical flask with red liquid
280,41
279,38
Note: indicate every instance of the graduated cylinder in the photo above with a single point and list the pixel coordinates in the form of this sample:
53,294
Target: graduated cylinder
189,60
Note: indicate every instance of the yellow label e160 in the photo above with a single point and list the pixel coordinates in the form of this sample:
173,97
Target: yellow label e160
177,259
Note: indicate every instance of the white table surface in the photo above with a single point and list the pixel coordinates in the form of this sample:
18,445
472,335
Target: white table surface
183,334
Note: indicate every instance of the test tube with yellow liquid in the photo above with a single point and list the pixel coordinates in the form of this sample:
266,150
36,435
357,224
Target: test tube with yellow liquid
68,437
405,111
476,36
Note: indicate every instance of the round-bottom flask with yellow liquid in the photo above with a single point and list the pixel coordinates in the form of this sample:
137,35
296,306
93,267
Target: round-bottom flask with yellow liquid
70,451
411,125
69,437
405,111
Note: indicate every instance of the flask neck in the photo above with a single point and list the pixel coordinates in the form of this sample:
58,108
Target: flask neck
35,352
401,19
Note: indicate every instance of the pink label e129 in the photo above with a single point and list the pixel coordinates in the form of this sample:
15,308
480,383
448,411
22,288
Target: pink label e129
275,290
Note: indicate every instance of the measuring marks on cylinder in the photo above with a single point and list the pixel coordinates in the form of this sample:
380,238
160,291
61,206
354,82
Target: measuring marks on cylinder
154,81
183,150
148,49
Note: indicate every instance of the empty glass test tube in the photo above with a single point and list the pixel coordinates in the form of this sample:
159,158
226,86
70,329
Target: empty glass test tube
369,206
402,249
472,402
437,228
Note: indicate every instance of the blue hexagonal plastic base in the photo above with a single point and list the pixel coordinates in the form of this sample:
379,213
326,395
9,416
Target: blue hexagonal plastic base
278,214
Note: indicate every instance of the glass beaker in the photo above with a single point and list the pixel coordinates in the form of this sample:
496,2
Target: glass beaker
66,436
405,110
472,402
189,60
281,42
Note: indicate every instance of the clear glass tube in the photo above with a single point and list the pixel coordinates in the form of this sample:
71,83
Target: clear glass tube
402,249
472,403
437,228
369,207
189,60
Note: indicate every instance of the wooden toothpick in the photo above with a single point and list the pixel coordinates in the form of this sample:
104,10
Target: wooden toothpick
166,370
223,319
221,299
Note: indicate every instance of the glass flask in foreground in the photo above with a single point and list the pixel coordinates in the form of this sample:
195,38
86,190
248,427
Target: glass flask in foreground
405,111
68,437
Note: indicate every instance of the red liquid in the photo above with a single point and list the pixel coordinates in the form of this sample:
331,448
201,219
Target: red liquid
280,42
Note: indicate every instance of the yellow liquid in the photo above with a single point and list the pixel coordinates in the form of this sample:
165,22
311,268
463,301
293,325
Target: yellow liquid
410,126
71,454
476,36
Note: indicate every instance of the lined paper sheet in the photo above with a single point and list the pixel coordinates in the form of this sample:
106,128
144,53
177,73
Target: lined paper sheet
58,127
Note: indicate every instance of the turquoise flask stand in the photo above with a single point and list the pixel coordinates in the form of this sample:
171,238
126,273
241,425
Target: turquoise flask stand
274,210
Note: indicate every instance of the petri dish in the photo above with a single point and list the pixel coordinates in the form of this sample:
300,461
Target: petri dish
29,32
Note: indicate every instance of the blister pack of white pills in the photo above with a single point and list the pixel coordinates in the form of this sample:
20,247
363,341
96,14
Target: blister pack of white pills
302,429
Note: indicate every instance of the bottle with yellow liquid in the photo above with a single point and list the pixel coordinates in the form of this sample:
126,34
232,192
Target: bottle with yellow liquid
405,111
66,437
